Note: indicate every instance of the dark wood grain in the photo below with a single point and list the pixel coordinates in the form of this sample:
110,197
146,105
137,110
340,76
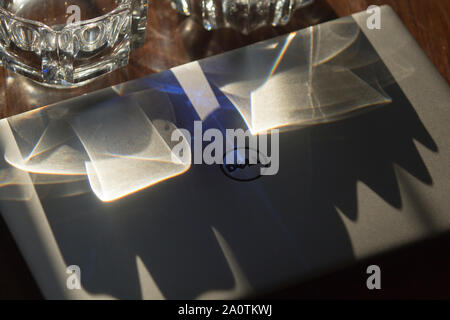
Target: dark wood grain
173,40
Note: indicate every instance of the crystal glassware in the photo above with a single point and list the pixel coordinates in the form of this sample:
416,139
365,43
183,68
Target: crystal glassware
242,15
67,43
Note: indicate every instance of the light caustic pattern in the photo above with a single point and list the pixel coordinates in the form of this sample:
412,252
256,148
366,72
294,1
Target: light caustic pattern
121,140
115,145
304,78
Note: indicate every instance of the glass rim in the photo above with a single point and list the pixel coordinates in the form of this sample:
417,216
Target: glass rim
121,7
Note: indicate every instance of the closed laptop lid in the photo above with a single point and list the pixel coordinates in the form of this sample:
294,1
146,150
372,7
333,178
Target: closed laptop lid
355,122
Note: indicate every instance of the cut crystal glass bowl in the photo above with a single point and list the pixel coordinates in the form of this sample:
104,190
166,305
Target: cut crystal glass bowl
67,43
242,15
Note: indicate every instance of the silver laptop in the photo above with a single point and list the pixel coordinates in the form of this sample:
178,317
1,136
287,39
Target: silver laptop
111,195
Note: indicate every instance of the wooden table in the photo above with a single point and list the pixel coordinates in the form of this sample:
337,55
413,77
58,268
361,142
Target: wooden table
174,40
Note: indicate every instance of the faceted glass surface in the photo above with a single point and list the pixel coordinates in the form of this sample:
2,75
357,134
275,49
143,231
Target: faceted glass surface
66,44
243,15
